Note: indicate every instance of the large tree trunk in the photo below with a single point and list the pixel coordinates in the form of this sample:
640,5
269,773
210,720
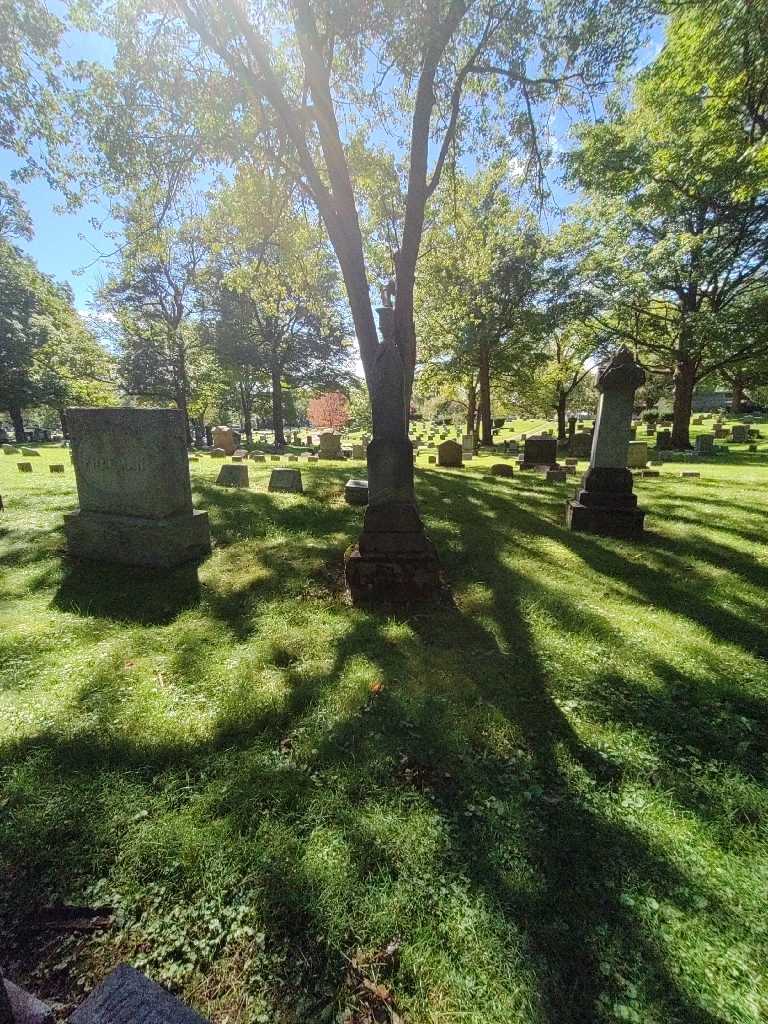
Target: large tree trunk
17,419
471,405
182,389
246,407
562,400
277,407
486,425
738,394
684,383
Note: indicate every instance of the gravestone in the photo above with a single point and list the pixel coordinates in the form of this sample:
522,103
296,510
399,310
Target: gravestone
571,462
555,476
57,467
691,473
293,458
233,476
257,457
664,441
225,438
538,451
704,444
356,492
502,469
17,1006
217,453
24,467
431,459
720,432
128,997
739,434
9,449
571,431
449,453
309,440
358,452
637,455
134,490
274,458
330,445
582,445
468,443
286,480
240,453
606,504
30,452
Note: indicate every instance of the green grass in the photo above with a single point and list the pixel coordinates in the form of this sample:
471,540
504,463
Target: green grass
552,793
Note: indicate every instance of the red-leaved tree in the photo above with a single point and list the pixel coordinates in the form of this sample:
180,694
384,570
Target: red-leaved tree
329,410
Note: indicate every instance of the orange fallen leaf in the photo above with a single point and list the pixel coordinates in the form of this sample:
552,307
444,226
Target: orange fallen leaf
376,688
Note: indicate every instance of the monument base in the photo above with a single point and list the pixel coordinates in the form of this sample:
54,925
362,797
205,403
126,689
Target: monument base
394,561
130,540
609,522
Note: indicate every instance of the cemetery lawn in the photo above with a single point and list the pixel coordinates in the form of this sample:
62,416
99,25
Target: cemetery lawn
543,804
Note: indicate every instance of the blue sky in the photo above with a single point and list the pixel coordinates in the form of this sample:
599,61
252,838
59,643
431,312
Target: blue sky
68,245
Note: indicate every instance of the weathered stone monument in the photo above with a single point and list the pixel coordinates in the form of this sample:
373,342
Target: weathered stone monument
226,439
393,560
133,485
330,445
233,476
538,451
739,434
356,492
24,467
582,445
286,480
468,443
502,469
637,455
358,452
704,444
450,453
606,504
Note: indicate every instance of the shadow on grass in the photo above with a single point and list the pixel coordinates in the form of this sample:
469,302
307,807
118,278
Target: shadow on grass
147,597
555,864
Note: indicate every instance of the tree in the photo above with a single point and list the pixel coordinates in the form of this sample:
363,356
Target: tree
152,299
478,281
330,409
444,75
22,294
679,200
275,295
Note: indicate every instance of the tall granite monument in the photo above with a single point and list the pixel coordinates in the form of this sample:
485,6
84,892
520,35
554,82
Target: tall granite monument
606,504
393,560
133,484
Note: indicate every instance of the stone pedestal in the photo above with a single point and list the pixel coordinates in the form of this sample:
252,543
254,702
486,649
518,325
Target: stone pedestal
133,540
606,504
394,560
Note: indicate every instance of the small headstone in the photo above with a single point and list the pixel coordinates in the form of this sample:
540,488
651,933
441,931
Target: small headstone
650,473
502,469
30,452
127,997
356,492
538,451
10,449
358,452
691,473
571,462
752,448
330,445
431,459
739,434
293,458
449,453
217,453
241,453
233,476
237,458
468,443
287,480
24,467
56,467
257,457
274,458
555,476
704,444
637,455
